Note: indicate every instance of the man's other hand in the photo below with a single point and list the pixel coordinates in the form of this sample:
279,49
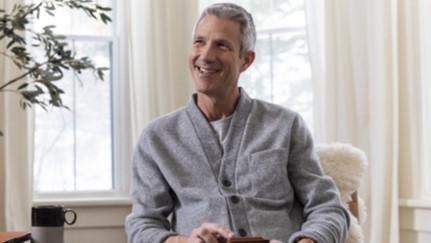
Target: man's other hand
206,233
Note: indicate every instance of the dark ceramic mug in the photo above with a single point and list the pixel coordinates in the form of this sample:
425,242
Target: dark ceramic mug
47,223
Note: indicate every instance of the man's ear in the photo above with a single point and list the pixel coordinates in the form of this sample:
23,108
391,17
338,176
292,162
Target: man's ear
248,60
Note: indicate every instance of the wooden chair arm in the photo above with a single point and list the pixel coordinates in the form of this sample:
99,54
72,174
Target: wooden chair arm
354,206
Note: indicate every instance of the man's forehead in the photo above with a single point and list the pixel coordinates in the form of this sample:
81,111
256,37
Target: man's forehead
217,27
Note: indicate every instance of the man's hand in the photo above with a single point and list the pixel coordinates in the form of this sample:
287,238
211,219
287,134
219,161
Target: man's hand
206,233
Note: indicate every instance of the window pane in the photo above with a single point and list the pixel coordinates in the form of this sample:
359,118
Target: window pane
73,147
271,14
281,72
74,22
93,123
274,14
53,167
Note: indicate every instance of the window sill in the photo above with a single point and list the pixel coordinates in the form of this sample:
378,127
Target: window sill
414,203
78,202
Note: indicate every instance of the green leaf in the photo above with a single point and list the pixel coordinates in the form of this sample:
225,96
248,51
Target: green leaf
10,43
105,18
18,50
48,28
50,12
100,74
23,86
59,37
103,8
53,77
1,133
91,13
37,13
39,89
63,66
18,39
19,24
19,65
8,31
56,58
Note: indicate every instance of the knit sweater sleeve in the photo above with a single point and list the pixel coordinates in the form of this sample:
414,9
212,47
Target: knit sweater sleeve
152,203
326,220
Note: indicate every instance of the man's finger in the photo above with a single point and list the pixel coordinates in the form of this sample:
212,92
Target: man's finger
212,233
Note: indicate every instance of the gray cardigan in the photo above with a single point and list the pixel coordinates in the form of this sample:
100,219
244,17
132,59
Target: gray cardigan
264,180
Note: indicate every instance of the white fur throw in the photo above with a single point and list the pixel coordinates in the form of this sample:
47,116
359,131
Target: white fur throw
346,165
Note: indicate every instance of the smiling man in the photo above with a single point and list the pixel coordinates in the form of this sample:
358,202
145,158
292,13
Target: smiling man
228,165
216,61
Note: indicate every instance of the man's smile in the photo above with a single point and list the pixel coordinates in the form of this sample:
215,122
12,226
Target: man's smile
207,70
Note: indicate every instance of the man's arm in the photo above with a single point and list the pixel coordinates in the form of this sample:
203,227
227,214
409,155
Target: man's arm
326,219
152,203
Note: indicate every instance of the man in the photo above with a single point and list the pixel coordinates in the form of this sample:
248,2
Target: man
227,165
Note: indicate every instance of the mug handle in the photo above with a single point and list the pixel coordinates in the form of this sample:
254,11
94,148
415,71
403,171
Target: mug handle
67,210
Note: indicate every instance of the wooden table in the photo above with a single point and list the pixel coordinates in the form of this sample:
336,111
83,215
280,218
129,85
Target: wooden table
14,236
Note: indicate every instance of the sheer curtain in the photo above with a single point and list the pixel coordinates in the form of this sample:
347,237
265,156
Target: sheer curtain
15,151
159,38
364,64
154,80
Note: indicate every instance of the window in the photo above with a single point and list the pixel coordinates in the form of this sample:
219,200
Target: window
425,40
281,72
74,148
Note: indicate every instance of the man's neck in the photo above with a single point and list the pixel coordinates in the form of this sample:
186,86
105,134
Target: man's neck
216,108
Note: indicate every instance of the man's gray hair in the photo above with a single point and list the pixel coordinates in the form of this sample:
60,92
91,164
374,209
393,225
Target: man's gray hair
238,14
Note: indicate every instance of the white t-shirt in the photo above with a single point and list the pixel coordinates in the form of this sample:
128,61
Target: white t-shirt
221,127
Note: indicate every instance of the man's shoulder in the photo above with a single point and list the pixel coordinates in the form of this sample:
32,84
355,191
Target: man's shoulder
269,107
167,120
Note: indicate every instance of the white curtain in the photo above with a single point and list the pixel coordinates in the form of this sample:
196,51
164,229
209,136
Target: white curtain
153,53
364,65
159,38
15,151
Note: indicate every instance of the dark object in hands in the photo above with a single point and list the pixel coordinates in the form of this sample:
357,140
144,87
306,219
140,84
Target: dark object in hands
248,240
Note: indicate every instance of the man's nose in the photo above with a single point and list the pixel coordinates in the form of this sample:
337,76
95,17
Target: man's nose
208,53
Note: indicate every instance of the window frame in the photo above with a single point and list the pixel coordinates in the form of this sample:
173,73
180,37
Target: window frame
120,136
269,33
425,76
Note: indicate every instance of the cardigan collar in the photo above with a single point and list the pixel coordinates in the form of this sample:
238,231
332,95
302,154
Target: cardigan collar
219,155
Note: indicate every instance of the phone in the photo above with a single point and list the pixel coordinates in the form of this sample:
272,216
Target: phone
255,239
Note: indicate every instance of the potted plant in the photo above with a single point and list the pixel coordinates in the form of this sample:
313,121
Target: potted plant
37,83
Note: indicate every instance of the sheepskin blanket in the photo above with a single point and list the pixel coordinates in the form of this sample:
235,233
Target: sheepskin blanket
346,164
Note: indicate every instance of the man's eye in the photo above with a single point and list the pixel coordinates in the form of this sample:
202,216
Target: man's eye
223,45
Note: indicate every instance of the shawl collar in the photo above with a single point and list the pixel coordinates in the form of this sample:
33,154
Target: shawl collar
221,159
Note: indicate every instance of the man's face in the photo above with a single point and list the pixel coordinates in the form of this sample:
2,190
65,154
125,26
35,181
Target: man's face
214,61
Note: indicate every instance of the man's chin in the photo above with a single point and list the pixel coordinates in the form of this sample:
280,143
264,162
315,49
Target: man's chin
203,86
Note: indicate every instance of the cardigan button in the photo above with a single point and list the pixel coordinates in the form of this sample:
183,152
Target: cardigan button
234,199
242,232
227,183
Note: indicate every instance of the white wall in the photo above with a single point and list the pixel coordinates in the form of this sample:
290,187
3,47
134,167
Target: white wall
415,221
98,222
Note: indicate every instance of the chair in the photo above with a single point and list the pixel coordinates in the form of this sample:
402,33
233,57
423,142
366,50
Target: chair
347,164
